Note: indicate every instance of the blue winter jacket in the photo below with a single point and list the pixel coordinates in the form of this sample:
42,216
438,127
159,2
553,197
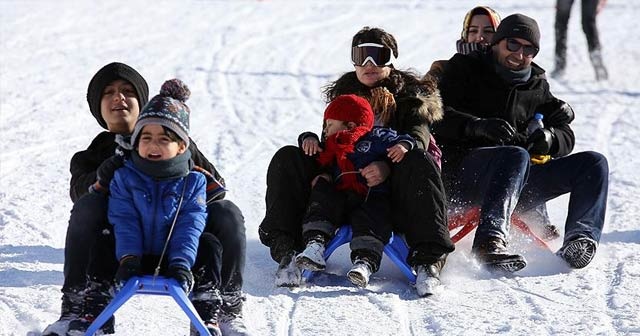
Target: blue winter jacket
373,147
141,210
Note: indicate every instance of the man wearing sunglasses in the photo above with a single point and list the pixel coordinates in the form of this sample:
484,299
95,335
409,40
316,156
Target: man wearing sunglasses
489,100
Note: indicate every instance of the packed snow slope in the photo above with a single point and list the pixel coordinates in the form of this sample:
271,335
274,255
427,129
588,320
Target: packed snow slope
256,69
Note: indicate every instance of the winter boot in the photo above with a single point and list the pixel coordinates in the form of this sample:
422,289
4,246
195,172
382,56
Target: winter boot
493,254
70,309
598,65
207,302
312,258
579,252
428,277
231,321
288,273
559,70
360,272
96,298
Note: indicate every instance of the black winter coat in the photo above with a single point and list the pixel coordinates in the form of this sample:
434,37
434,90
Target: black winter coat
471,88
85,163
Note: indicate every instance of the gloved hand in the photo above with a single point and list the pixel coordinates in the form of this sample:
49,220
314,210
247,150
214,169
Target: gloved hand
129,267
107,169
562,115
540,141
183,275
496,130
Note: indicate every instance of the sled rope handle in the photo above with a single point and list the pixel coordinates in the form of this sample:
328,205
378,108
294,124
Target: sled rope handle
173,224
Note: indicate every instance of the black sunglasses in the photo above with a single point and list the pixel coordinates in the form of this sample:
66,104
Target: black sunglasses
527,50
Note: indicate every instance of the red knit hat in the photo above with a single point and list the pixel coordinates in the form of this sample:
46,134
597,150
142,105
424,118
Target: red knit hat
350,108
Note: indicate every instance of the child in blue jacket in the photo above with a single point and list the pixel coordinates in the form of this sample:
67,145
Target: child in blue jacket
341,195
158,205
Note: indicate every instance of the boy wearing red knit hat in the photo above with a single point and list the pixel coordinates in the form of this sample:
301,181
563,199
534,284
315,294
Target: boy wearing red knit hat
341,195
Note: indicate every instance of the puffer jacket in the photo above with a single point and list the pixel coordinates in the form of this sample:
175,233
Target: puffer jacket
142,210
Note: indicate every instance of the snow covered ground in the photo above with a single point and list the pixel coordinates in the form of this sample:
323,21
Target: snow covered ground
256,69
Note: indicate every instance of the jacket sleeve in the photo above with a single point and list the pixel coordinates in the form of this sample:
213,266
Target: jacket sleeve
124,217
416,123
305,135
453,86
201,161
83,174
183,245
85,163
565,138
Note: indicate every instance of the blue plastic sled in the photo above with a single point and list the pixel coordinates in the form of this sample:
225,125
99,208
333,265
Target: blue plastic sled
150,286
396,249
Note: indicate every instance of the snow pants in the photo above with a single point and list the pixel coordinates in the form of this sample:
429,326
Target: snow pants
418,204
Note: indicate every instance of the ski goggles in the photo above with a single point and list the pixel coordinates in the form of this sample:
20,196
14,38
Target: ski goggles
527,50
375,53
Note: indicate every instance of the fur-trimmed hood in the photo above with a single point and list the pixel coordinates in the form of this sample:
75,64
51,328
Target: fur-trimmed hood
405,86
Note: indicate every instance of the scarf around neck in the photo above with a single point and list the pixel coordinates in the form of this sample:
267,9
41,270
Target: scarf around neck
512,77
337,146
176,167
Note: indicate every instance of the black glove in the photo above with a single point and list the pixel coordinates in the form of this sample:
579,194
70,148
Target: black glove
129,267
107,168
495,130
183,275
540,141
562,115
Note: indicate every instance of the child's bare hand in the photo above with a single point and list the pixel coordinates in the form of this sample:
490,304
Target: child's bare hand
323,176
396,153
311,146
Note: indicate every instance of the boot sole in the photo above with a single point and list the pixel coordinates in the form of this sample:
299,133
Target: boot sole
357,279
506,266
308,264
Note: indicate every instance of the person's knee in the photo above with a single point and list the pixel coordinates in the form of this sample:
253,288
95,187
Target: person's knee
225,219
286,154
515,155
88,214
596,160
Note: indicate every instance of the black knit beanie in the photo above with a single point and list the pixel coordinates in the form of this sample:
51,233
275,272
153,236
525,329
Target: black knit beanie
519,26
108,74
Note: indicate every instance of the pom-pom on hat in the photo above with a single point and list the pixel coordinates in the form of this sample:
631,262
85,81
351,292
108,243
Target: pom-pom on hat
168,109
350,108
520,26
104,77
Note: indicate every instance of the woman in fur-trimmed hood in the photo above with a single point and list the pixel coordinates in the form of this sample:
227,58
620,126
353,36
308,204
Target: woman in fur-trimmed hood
400,100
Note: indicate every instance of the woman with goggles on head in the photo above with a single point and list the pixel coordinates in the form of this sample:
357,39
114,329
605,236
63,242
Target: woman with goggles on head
400,101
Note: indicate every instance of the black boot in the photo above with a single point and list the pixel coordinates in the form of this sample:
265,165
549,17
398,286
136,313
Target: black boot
97,297
70,309
493,254
207,302
598,65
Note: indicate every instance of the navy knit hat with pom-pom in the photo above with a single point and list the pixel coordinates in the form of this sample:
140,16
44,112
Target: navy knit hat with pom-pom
167,109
